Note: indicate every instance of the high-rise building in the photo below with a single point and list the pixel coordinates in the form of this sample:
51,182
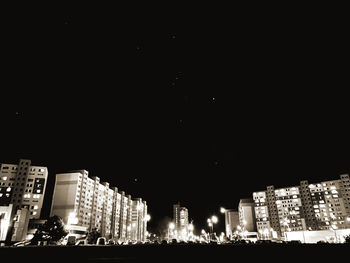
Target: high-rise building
320,206
247,214
85,204
23,186
231,221
138,220
180,217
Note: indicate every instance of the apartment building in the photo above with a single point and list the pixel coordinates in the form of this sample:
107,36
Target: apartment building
320,206
85,203
23,186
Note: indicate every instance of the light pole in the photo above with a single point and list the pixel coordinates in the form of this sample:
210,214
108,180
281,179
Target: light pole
210,224
334,228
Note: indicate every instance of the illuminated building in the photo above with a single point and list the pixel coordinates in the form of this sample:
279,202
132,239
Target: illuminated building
138,220
23,186
247,214
231,222
85,204
5,219
320,206
180,218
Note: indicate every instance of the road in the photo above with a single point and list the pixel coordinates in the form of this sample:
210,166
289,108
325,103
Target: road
178,253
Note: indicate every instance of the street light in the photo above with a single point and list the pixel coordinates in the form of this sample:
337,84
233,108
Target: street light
147,217
222,210
214,219
334,228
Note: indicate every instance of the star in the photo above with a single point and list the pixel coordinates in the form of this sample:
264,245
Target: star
213,99
135,179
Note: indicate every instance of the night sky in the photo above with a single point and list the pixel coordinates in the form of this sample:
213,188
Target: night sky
202,109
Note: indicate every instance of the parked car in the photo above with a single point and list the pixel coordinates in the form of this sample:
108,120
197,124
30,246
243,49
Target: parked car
21,244
71,240
81,242
111,242
101,241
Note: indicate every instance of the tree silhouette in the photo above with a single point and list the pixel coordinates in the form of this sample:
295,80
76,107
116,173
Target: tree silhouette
93,236
51,231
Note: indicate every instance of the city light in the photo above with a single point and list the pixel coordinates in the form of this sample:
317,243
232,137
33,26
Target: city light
214,219
171,226
222,210
190,227
147,217
72,219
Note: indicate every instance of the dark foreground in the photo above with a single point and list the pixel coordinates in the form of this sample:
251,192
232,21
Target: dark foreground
179,253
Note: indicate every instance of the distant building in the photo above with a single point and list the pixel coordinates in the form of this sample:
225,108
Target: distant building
231,222
84,204
20,225
247,214
180,217
320,206
23,186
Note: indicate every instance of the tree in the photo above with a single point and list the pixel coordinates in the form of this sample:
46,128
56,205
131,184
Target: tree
93,236
51,231
347,239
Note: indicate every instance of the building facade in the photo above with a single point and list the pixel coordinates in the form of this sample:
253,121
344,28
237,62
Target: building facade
246,213
5,220
180,217
23,186
87,203
320,206
231,222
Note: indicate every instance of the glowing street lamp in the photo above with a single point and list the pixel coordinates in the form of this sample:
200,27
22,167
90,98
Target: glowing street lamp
222,210
147,217
214,219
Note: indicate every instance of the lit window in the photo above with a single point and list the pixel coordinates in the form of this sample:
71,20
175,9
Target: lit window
8,189
4,178
38,191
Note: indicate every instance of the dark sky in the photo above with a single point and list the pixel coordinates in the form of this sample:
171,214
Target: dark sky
202,109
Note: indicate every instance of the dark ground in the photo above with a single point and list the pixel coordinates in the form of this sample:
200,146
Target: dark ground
180,253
